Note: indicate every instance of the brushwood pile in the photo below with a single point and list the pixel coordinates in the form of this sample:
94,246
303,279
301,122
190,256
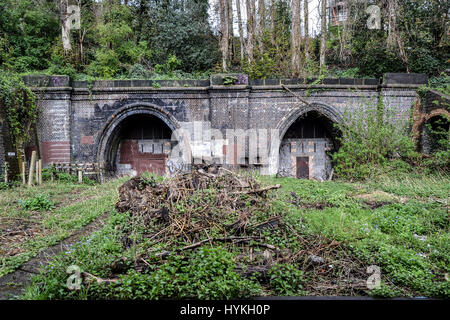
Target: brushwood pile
212,206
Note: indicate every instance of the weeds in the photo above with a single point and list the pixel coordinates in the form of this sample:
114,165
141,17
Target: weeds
38,202
396,222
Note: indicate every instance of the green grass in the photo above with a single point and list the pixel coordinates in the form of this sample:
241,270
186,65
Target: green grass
409,241
75,205
399,223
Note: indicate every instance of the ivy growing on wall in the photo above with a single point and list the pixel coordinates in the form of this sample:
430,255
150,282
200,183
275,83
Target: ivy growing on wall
18,107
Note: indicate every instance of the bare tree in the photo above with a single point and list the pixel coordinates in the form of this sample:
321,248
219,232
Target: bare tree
250,30
295,41
261,23
224,33
306,27
272,22
241,32
394,36
323,40
230,30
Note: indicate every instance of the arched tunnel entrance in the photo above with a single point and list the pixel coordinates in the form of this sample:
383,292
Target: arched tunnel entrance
139,143
436,134
306,147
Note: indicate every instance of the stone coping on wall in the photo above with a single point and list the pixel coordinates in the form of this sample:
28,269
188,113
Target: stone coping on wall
394,80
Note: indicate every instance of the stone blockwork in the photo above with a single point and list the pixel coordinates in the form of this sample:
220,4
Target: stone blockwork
315,150
79,120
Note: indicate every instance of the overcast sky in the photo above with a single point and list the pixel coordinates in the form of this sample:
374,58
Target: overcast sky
314,21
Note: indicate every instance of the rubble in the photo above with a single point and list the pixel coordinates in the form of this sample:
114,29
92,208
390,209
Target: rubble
212,206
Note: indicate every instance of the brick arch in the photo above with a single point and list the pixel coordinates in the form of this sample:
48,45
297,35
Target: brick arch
422,119
330,112
326,110
110,129
435,113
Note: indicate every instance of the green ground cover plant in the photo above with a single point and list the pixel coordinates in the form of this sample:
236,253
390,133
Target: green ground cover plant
402,229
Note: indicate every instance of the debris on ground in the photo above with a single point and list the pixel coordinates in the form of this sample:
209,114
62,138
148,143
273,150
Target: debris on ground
212,205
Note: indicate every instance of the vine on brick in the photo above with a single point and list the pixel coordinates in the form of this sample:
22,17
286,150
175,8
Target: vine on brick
18,107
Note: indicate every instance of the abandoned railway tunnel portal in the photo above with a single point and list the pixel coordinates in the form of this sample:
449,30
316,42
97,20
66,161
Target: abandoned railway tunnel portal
137,138
131,126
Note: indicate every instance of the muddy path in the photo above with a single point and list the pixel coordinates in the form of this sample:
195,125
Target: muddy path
13,284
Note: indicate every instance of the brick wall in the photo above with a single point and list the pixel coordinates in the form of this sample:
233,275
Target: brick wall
75,116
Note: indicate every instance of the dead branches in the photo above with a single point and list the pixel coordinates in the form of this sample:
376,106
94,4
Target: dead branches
188,204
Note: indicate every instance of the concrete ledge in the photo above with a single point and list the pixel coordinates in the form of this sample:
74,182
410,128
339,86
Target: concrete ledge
405,78
140,89
308,81
140,83
316,86
394,80
46,81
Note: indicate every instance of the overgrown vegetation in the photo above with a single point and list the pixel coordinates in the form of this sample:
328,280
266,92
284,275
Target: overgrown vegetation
46,214
133,40
38,202
18,108
335,230
374,140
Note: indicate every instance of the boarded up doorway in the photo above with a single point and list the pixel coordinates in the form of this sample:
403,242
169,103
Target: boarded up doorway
302,167
141,144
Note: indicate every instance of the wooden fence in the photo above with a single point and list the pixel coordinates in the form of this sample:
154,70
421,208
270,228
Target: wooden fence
81,169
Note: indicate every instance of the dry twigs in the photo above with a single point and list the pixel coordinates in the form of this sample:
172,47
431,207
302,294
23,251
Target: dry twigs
214,205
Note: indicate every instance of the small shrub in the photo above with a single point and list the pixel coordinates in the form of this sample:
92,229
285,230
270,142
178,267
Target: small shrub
37,203
286,280
4,185
371,139
229,80
138,71
156,85
172,64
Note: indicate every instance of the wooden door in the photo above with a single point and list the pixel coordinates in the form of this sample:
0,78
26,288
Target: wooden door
302,167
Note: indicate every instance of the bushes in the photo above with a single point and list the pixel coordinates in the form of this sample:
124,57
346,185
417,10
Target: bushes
372,138
286,280
37,203
204,274
376,60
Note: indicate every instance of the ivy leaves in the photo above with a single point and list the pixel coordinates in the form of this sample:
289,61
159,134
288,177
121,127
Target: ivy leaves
17,104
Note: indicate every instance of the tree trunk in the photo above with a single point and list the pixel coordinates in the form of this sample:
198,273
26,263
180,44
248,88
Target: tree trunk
250,30
241,32
19,152
224,37
261,24
230,31
323,40
306,22
295,41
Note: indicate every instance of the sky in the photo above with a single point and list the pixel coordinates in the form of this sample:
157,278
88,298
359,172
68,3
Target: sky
313,6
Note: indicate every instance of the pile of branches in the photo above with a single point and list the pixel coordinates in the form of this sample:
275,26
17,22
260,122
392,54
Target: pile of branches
187,205
213,205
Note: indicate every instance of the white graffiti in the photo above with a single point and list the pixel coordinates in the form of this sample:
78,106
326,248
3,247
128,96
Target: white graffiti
201,143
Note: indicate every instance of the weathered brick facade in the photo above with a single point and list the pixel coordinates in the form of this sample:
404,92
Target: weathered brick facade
79,121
